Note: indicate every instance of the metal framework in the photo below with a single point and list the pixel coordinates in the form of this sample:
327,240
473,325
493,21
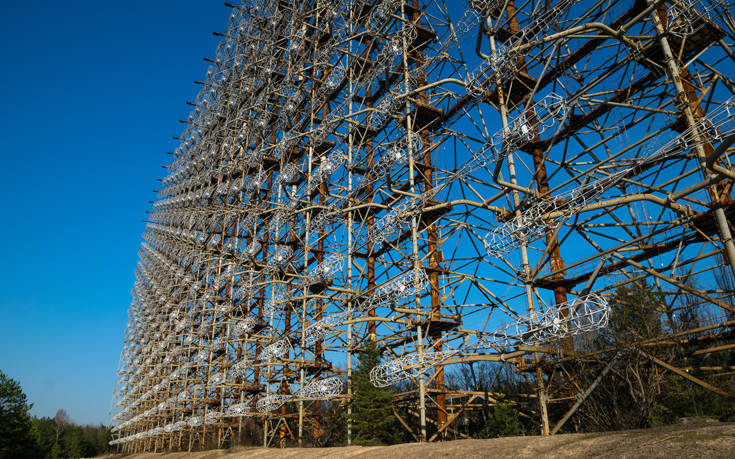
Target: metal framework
454,182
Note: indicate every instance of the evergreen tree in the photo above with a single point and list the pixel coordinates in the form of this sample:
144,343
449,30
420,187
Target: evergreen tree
72,442
636,314
56,452
502,420
373,422
44,435
15,423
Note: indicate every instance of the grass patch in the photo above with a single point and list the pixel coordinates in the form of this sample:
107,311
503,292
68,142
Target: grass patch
699,436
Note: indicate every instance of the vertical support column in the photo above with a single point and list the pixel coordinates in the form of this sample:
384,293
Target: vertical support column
370,268
350,242
286,375
414,240
435,255
261,310
307,250
690,109
525,265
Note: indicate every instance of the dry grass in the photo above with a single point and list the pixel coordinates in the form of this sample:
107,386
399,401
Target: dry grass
697,439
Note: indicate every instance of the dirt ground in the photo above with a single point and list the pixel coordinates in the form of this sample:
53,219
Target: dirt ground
696,439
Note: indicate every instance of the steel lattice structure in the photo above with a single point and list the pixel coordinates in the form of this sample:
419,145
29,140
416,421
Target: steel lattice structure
455,183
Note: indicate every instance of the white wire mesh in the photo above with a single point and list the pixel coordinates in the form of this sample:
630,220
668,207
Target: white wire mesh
244,327
195,421
581,315
320,329
274,351
390,225
216,379
322,389
240,368
685,17
213,417
252,250
405,285
277,302
328,268
407,367
280,258
271,402
239,409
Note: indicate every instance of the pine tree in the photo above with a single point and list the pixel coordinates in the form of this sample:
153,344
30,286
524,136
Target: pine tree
15,423
373,422
636,313
502,421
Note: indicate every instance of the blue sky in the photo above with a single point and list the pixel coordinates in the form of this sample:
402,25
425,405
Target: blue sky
92,92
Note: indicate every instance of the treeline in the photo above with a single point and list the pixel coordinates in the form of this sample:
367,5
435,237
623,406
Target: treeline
26,436
58,437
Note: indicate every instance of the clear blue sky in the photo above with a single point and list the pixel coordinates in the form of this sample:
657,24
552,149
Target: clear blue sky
92,92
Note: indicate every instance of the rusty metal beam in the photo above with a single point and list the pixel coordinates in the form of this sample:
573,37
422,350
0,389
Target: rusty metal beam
686,375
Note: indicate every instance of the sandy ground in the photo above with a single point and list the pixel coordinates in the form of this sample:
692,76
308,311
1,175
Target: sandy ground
697,440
